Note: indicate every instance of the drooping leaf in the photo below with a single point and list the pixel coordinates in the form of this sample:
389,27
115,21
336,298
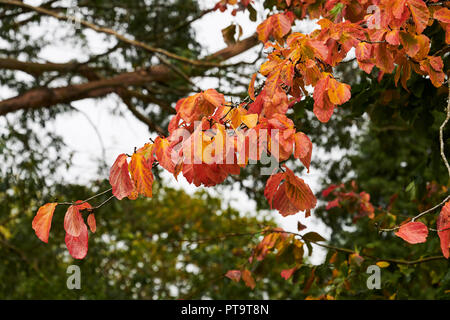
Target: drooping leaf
141,174
287,273
73,221
420,14
248,279
42,222
413,232
92,223
303,149
234,275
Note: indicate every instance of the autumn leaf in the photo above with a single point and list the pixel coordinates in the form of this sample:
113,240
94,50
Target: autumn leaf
303,149
141,174
248,279
443,227
323,107
42,222
73,221
78,246
443,15
338,92
119,178
277,26
163,153
420,14
413,232
292,196
195,107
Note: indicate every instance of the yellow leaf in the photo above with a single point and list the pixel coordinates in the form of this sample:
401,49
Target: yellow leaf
250,120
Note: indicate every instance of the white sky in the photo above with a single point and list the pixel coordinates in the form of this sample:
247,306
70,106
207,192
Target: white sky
120,134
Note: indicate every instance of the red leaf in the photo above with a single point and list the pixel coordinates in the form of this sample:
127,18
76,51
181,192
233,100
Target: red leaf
234,275
413,232
91,222
42,222
272,185
248,279
443,227
119,178
163,153
303,149
78,246
332,204
73,221
142,174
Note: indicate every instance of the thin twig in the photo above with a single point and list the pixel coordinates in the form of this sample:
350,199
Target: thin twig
84,201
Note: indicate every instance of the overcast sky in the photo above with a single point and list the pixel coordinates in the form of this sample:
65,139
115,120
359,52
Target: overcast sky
120,134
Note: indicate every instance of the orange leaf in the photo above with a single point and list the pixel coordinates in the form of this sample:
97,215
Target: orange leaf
286,274
119,178
234,275
277,26
443,227
443,15
264,30
413,232
42,222
363,51
163,153
281,25
292,196
73,221
303,149
384,59
248,279
214,98
142,174
420,14
92,223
